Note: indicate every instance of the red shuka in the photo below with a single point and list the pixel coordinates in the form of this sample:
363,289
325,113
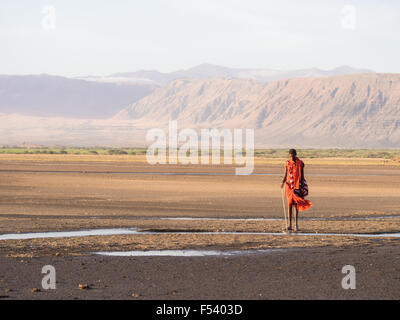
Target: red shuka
293,178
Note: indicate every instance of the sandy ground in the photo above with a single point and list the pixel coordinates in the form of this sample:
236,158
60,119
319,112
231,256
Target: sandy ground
55,193
299,274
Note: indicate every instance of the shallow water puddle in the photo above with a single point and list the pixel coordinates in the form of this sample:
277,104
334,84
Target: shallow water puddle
362,235
218,219
274,219
131,231
67,234
183,253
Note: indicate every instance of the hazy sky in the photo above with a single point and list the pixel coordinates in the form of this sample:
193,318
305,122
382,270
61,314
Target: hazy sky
101,37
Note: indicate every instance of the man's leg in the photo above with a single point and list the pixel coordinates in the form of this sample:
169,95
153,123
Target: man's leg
290,217
296,219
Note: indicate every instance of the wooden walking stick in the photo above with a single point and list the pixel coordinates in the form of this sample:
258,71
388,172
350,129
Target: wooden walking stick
284,208
283,200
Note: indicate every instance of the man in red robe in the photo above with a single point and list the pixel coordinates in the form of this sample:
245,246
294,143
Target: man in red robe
296,187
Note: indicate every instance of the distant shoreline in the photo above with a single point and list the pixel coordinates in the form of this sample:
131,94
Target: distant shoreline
388,154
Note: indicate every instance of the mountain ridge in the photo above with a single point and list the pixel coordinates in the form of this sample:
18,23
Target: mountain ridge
364,108
208,71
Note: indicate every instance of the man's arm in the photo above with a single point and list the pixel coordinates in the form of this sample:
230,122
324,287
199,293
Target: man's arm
302,174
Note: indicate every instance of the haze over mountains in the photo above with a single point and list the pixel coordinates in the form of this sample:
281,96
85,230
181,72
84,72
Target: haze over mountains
211,71
53,96
313,108
101,97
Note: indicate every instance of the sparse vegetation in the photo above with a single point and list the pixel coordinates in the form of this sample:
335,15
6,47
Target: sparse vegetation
117,151
76,151
331,153
390,154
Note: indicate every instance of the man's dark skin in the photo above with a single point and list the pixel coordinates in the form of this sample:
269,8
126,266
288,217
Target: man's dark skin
293,156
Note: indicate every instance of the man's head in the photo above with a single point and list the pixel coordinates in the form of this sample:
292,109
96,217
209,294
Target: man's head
293,153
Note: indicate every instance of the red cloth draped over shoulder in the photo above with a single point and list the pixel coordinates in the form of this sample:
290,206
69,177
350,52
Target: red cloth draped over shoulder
293,178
